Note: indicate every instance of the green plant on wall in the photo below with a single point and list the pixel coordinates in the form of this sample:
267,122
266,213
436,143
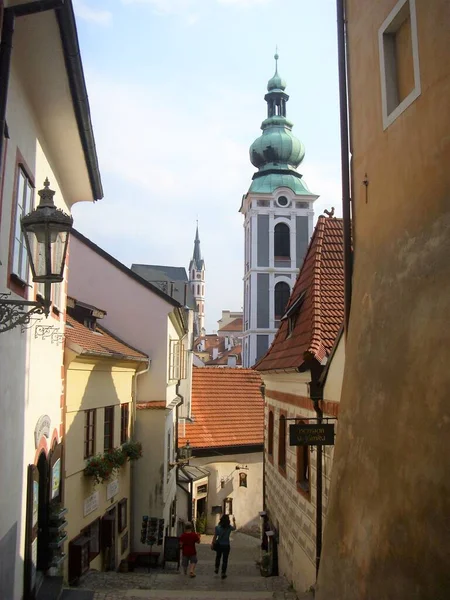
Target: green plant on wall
132,450
102,466
98,468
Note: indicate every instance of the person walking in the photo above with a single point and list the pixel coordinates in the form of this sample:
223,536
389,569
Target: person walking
221,543
188,550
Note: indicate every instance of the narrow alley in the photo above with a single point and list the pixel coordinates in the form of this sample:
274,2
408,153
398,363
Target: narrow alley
244,581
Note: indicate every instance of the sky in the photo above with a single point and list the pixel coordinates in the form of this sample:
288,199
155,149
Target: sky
176,90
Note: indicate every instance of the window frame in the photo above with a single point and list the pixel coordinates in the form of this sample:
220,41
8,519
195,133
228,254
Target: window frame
389,27
17,283
279,240
242,479
227,506
279,314
282,451
124,427
89,428
111,423
270,434
122,515
303,464
86,532
174,360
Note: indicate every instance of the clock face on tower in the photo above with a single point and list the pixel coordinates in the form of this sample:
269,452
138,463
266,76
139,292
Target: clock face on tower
198,276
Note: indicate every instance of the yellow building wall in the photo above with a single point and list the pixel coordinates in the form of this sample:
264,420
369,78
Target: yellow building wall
387,535
94,384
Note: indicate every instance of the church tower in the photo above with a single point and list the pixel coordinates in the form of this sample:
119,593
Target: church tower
278,222
197,284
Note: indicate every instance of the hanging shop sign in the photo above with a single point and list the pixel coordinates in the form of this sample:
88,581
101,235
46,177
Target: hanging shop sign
302,434
42,429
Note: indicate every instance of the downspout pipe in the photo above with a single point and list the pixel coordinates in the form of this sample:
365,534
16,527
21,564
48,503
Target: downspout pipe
345,161
9,16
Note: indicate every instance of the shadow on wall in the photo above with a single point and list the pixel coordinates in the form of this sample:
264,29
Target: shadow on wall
7,562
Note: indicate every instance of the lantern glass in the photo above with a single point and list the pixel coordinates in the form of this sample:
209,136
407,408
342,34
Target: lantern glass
47,247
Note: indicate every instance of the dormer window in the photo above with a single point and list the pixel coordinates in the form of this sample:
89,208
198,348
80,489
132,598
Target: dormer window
90,323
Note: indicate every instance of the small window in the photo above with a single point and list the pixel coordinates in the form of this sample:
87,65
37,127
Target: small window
270,435
292,320
124,422
282,293
199,276
108,430
283,201
399,60
282,443
282,242
89,433
228,506
23,205
92,532
243,480
123,520
303,469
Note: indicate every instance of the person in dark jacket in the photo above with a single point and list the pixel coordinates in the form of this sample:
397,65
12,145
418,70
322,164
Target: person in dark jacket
221,543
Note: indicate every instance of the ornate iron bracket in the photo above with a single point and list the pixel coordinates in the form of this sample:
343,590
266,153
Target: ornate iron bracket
19,312
49,331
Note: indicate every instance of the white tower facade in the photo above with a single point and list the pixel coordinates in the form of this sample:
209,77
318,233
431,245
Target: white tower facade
197,285
278,223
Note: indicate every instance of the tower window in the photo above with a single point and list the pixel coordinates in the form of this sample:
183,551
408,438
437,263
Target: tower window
198,276
282,293
282,241
283,201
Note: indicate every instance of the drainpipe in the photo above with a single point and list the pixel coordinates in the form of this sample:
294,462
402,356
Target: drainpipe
9,16
345,165
263,394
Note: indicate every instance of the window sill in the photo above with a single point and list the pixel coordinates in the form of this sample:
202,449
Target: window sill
18,285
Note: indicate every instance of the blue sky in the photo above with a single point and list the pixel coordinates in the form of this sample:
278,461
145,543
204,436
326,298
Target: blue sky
176,89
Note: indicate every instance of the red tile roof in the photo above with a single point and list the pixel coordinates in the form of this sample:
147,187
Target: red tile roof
235,325
100,342
321,312
223,358
227,408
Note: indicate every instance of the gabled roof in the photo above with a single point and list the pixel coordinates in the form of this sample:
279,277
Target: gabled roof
121,267
227,408
235,325
223,358
319,294
172,273
171,280
100,342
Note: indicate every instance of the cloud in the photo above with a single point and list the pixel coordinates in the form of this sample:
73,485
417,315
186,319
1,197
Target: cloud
93,15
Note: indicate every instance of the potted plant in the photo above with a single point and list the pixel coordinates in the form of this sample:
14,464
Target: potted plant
132,450
115,457
98,468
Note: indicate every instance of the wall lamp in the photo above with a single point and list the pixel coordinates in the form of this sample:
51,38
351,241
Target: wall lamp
45,231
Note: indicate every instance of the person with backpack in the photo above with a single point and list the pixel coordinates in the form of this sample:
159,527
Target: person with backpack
188,550
221,543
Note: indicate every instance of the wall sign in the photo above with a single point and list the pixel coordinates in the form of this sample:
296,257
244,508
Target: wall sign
311,435
112,489
42,429
91,503
56,478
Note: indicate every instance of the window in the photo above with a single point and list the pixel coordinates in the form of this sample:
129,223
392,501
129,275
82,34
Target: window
92,532
282,242
399,60
228,506
24,204
243,480
174,359
108,431
123,521
124,422
270,435
283,201
303,469
199,275
89,433
282,443
282,293
198,289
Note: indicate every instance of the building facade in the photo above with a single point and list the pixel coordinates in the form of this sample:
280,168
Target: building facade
197,285
45,133
278,222
388,533
305,363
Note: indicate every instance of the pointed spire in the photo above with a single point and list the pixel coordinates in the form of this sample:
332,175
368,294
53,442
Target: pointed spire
197,256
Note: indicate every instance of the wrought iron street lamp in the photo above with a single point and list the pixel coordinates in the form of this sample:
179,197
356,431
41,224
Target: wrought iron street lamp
46,232
185,452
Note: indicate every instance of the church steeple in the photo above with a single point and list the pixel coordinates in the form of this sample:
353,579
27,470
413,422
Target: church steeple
197,284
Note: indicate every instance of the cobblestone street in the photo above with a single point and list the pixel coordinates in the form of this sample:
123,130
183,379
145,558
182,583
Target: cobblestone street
244,581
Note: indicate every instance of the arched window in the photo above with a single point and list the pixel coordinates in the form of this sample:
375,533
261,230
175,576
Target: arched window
282,293
282,443
270,435
282,242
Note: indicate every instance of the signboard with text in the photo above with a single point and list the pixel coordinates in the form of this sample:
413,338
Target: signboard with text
302,434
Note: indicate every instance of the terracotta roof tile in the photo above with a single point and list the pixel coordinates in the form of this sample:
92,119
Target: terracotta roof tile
235,325
223,359
321,313
227,408
100,342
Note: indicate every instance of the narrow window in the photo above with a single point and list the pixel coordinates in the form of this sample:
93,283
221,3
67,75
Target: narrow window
89,433
243,480
23,205
228,506
303,469
270,435
108,430
123,510
282,443
124,422
174,360
282,293
282,242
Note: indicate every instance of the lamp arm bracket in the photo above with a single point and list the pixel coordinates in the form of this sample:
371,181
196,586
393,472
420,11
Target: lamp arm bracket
19,312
